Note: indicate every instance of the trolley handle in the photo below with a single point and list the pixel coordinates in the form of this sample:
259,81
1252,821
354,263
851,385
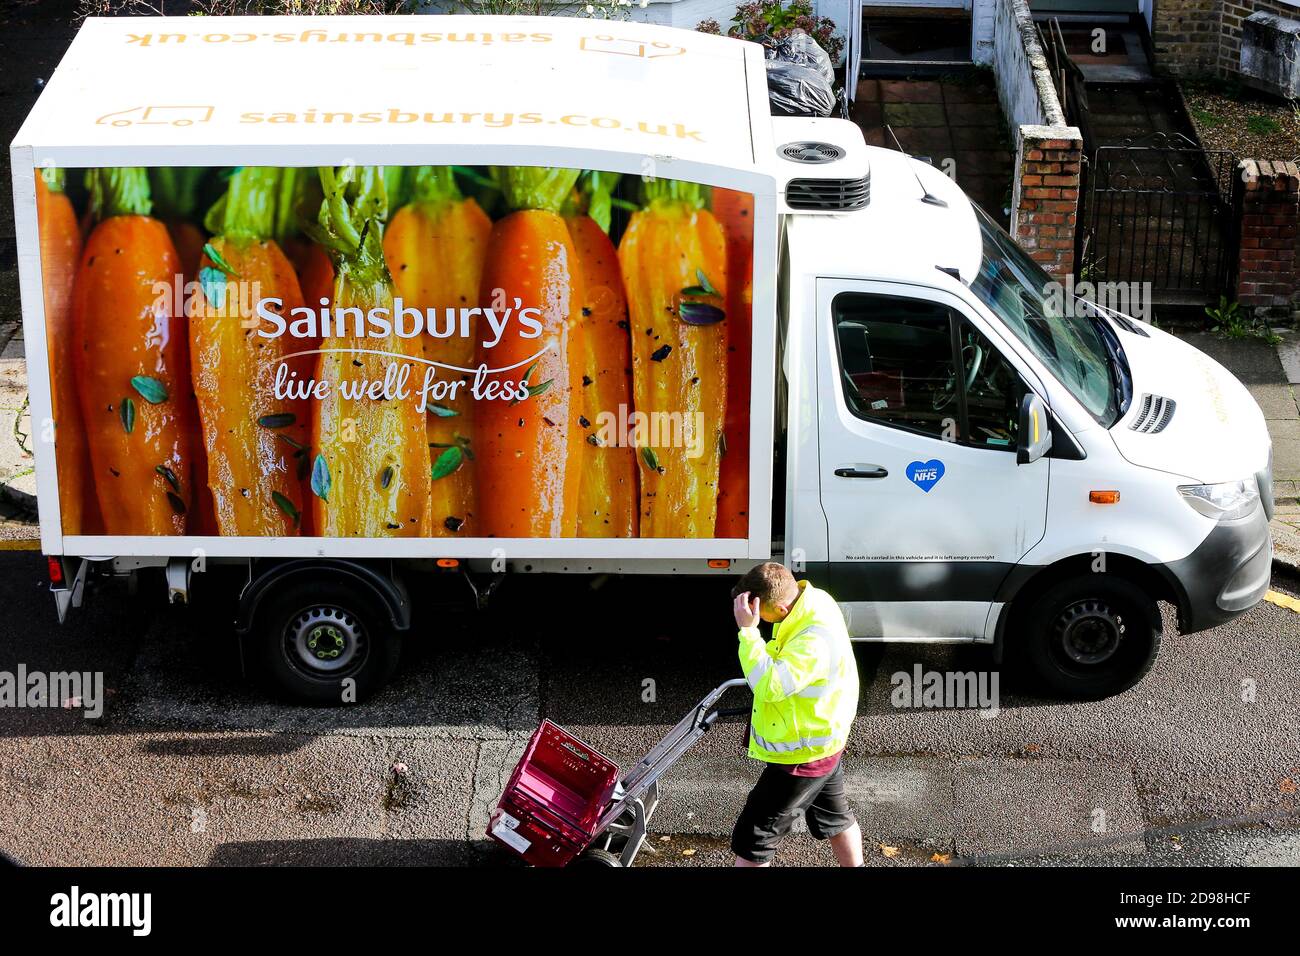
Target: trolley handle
712,716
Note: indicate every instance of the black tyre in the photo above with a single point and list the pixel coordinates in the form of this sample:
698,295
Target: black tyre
325,642
590,859
1089,637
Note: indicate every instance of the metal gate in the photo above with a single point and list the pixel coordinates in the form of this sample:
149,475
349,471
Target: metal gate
1160,211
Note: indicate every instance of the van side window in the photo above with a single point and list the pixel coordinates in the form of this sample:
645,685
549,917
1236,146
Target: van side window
896,362
993,392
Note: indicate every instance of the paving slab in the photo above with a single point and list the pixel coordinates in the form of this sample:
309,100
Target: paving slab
911,91
914,114
1286,459
1007,806
867,112
1276,400
932,141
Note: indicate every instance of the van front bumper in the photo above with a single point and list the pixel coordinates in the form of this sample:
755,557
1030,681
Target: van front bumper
1225,576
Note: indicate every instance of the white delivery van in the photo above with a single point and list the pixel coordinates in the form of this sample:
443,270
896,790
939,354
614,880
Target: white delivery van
562,297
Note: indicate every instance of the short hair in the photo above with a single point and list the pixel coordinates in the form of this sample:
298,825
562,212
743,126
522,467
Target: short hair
770,582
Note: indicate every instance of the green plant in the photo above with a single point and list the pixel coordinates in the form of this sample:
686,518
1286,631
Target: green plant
1228,319
1263,125
761,20
1089,264
1205,119
1233,322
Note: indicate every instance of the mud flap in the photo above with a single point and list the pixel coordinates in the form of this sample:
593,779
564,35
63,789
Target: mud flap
66,598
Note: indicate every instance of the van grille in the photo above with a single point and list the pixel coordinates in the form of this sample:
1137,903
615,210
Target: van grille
827,195
1154,415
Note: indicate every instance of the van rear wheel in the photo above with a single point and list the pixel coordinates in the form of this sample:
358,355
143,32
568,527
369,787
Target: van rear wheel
325,642
1090,637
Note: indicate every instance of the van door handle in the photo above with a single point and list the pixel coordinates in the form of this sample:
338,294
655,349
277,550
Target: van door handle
861,471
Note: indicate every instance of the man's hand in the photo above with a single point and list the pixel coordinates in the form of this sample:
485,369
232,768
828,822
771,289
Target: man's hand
745,610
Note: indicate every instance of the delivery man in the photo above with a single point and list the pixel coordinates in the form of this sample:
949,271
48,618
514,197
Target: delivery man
805,684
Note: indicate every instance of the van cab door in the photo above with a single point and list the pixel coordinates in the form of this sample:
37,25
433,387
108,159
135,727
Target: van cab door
926,508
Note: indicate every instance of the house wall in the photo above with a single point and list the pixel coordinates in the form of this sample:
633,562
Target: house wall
1204,36
983,26
1185,35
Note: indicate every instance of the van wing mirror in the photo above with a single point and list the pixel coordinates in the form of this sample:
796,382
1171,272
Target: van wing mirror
1035,430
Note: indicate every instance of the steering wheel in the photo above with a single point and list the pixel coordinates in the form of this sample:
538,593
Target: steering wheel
972,357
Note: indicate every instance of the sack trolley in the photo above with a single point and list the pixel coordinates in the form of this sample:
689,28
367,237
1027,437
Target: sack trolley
566,804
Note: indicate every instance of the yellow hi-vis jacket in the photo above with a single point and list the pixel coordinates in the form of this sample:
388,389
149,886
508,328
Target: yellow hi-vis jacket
805,682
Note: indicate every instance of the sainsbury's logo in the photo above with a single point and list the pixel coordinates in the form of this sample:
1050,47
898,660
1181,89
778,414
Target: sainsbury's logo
401,320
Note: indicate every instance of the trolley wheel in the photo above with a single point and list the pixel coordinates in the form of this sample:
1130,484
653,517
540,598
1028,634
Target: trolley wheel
593,858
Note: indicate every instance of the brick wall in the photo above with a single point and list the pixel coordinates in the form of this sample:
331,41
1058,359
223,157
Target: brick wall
1045,195
1234,12
1268,277
1204,36
1185,35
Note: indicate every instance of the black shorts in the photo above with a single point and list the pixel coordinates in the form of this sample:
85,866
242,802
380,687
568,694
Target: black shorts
777,799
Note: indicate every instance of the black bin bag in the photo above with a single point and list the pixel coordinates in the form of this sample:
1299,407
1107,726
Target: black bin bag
799,76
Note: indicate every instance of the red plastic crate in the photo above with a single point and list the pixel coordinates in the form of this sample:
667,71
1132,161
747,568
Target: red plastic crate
555,798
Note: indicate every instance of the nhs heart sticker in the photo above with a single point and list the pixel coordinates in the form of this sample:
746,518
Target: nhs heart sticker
925,474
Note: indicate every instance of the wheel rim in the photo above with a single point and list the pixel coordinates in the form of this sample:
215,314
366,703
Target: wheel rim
1088,633
325,641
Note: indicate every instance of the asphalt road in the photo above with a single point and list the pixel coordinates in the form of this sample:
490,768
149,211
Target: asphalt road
190,764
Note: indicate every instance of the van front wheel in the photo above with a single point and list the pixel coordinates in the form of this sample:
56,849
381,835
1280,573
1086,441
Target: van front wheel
1090,637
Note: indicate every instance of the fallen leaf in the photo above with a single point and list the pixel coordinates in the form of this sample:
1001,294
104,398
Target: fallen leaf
688,852
665,839
941,858
1287,785
889,851
1033,748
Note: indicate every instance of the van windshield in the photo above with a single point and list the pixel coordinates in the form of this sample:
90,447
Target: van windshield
1073,347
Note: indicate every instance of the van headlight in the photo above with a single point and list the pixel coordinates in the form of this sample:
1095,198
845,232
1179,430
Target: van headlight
1223,501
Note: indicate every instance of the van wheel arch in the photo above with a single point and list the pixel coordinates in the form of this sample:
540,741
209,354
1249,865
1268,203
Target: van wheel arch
1024,584
1126,581
323,633
380,582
